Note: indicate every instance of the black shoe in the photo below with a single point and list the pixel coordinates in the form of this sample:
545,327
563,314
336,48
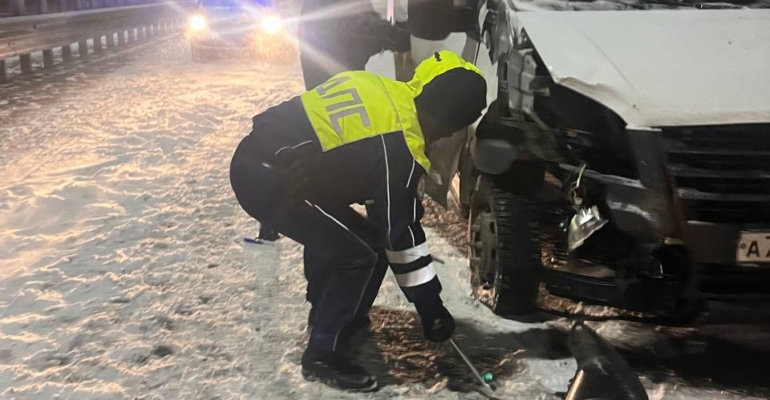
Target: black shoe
268,234
337,371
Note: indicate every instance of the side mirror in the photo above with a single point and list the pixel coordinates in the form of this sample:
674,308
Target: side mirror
436,19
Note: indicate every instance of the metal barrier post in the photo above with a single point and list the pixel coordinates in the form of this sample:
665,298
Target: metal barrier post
26,63
98,44
44,33
47,58
66,52
83,48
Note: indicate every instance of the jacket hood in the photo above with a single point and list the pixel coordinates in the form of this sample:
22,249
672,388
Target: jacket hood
450,94
432,67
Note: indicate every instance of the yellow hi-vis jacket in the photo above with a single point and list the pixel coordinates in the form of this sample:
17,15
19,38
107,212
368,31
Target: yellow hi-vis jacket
356,105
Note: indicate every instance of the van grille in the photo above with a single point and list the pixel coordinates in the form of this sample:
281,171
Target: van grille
721,174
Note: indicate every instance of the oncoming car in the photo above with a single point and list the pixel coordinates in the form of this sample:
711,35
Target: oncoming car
237,27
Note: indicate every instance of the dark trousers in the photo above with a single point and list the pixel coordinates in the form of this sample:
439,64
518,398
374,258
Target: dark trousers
314,72
344,269
318,64
317,280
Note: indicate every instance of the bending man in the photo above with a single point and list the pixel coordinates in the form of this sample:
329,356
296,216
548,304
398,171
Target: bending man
357,138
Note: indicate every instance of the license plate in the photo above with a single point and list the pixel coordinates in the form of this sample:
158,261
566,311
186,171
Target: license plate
754,247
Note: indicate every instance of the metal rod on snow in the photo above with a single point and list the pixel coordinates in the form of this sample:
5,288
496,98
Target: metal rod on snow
476,374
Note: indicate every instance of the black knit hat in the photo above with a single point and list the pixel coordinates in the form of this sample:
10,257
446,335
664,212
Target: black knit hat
450,102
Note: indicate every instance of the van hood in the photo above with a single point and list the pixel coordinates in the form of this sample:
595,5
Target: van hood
660,68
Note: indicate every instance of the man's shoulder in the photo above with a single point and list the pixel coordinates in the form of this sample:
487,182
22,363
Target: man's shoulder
288,111
283,106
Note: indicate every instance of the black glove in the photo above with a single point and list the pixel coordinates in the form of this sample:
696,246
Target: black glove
438,324
402,39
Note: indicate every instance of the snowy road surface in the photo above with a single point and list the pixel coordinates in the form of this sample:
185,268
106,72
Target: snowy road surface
124,275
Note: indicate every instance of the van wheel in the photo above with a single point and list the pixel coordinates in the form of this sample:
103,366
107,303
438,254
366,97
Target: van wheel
504,251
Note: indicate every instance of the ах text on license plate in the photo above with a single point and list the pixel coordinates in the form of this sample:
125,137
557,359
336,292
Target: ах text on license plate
754,247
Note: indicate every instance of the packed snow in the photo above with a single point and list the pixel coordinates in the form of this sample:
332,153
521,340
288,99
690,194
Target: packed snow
124,273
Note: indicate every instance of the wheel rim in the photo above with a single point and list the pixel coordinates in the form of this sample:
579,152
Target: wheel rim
483,235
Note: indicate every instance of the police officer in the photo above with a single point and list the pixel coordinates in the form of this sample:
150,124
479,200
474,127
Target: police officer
357,138
341,35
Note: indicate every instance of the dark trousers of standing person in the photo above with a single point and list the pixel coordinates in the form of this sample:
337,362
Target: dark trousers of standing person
322,56
337,236
317,67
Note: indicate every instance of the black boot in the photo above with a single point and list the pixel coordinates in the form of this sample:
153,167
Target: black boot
268,234
336,370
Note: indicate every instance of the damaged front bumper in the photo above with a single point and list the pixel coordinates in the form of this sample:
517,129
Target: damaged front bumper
699,190
642,207
693,193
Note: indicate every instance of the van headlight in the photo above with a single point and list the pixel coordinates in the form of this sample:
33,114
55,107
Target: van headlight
271,24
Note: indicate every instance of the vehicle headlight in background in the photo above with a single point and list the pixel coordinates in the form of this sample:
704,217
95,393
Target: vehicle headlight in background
271,24
198,22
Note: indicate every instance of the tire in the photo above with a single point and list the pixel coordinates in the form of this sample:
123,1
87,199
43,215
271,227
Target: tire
504,252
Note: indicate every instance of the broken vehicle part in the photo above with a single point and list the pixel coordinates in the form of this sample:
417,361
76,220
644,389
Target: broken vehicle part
602,374
584,224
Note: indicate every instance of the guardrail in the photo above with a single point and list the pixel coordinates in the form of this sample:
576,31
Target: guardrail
22,36
16,8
